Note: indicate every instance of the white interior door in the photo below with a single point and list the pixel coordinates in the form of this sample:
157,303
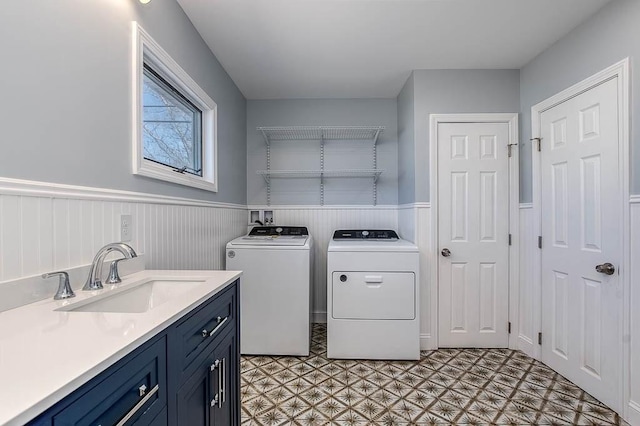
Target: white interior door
580,208
473,234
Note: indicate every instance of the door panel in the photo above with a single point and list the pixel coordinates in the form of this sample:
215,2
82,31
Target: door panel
580,202
473,212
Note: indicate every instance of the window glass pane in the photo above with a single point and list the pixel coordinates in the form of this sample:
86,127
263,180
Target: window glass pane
171,126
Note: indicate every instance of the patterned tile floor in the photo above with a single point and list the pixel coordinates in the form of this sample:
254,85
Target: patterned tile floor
448,386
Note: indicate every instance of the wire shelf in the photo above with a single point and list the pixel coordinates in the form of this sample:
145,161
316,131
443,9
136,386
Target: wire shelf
347,173
315,133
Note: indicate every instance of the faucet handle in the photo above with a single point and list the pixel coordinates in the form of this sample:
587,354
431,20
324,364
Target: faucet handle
64,288
114,276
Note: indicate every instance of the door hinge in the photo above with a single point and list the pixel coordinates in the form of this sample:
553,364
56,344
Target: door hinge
540,241
538,141
509,239
539,338
509,148
509,328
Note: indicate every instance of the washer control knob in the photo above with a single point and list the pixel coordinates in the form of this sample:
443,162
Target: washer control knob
365,233
278,230
343,278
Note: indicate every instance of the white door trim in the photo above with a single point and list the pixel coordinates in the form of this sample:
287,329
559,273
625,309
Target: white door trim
621,71
514,206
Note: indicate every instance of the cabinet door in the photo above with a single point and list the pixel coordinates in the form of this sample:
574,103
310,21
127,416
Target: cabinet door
225,383
209,397
193,400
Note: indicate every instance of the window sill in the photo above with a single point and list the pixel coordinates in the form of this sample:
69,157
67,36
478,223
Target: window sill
155,171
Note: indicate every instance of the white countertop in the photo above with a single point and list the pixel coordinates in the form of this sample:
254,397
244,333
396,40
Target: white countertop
46,354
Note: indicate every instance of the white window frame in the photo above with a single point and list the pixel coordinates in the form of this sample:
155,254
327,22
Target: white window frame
146,49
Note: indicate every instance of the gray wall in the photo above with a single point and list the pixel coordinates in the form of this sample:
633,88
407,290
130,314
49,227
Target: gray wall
406,144
65,81
445,92
296,155
609,36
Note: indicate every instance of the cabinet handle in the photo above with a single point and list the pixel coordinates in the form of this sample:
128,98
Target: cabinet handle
220,324
139,405
214,401
215,365
221,383
224,381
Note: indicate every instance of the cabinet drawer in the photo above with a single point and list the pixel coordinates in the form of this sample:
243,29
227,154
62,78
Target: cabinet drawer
204,326
136,393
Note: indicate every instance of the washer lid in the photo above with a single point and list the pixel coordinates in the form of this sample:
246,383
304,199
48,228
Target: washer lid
372,246
272,240
274,236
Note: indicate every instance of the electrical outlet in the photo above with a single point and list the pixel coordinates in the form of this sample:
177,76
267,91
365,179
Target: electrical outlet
126,227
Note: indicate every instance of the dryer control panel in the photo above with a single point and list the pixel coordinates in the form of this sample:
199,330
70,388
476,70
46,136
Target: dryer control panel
365,234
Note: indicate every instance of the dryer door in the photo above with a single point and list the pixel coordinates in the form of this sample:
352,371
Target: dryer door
373,295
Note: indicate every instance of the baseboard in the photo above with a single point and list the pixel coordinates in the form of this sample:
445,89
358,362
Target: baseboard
420,205
633,413
427,343
319,317
526,345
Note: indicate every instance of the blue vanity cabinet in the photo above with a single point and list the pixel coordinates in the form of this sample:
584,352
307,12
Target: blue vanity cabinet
170,380
208,384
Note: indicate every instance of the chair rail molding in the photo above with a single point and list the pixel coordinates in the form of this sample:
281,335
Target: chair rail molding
20,187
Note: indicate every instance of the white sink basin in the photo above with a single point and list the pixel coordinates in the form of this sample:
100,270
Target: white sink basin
135,298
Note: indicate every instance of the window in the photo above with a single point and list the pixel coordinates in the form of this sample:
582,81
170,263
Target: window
171,126
174,120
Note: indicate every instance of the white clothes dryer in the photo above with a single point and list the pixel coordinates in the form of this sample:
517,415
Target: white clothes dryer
372,296
275,289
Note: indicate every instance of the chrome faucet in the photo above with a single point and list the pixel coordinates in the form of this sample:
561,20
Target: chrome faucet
94,281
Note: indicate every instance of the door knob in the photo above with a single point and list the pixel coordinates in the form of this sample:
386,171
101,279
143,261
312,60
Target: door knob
446,252
606,268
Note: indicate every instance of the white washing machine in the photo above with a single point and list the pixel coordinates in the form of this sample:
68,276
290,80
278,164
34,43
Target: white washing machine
275,289
372,296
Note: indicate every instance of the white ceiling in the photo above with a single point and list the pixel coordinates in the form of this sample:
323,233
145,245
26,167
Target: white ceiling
366,48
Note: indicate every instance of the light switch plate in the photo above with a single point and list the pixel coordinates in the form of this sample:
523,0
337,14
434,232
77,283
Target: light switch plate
126,227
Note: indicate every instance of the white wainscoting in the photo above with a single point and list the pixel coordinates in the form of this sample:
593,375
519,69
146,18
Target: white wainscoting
407,226
50,229
527,326
428,286
322,221
633,406
414,224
